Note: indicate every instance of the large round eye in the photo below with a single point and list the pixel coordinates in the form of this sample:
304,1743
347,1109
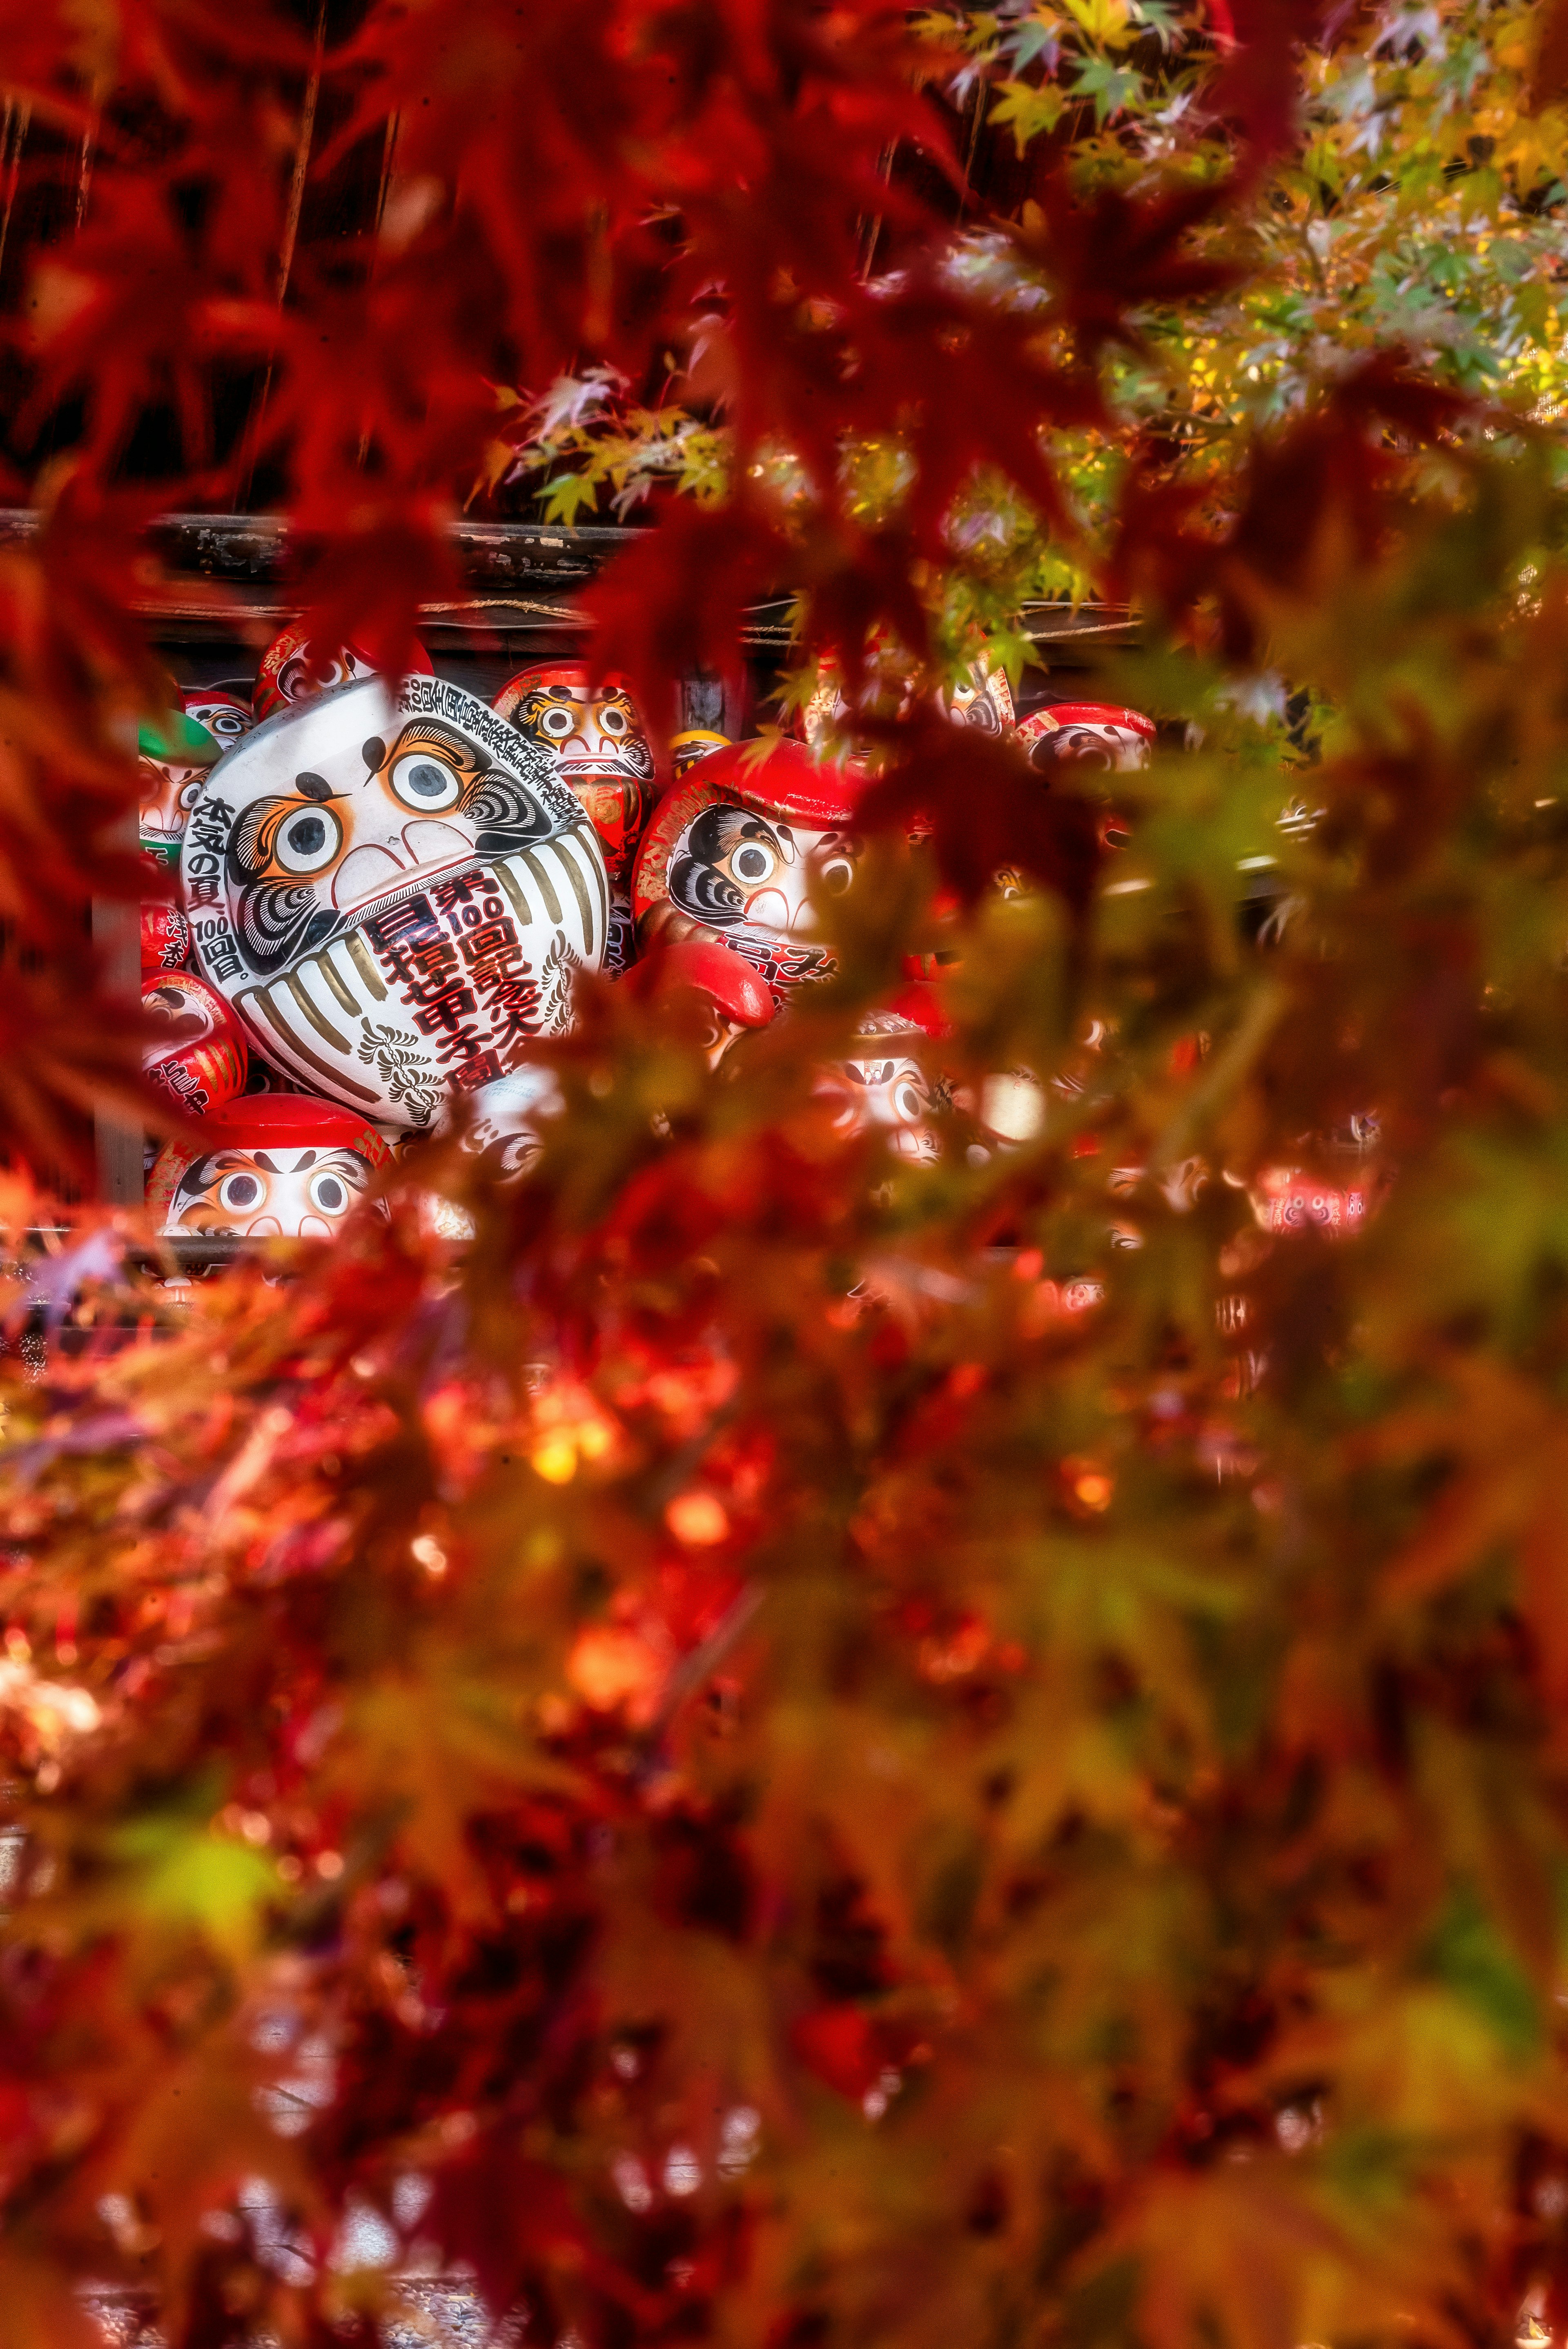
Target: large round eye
240,1191
423,782
752,863
224,721
308,840
557,722
613,718
189,792
909,1105
837,875
328,1191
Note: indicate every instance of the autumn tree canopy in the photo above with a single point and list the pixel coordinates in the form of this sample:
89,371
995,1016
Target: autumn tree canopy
749,1739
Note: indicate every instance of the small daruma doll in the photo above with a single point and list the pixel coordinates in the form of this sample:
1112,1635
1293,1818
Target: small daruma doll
600,751
225,714
1087,734
269,1166
395,894
194,1052
884,1089
982,699
697,743
295,669
173,757
734,852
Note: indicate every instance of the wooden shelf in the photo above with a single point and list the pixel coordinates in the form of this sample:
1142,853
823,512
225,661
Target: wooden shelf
523,580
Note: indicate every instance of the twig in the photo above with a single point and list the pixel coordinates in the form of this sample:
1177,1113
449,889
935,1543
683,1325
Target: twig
388,150
90,151
18,118
291,236
701,1664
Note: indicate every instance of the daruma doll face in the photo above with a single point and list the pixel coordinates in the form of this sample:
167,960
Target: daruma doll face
886,1092
293,669
279,1166
599,749
982,699
224,715
1087,734
173,759
736,852
395,894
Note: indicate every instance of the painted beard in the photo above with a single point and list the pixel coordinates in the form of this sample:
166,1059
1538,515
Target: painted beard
506,816
278,921
697,885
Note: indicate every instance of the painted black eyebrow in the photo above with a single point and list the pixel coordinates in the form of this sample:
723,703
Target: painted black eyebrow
313,787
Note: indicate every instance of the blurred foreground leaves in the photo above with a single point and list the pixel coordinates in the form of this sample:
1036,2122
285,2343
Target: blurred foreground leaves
783,1746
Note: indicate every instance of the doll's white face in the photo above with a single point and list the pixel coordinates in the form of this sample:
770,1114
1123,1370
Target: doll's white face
508,1116
735,866
891,1093
1096,744
308,850
280,1193
223,715
586,734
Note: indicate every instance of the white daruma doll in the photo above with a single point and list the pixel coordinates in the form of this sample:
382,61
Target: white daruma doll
395,894
267,1166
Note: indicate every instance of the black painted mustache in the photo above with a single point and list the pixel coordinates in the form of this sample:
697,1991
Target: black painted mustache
506,815
695,884
278,921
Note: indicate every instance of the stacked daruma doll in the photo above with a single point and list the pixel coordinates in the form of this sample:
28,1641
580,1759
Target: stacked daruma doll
389,897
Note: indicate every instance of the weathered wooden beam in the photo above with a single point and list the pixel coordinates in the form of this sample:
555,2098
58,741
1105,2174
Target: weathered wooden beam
521,577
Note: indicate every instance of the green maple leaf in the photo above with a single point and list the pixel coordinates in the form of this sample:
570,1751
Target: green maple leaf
1113,87
567,494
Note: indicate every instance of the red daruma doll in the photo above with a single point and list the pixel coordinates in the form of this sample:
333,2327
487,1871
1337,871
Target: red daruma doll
165,937
269,1166
1087,734
293,669
735,852
598,747
195,1053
